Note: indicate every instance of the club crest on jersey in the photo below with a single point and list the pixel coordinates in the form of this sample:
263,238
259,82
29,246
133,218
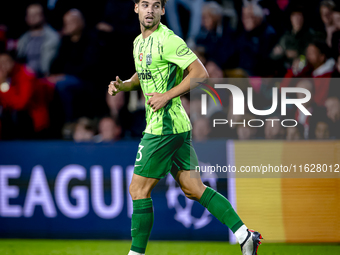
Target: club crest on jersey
148,59
140,56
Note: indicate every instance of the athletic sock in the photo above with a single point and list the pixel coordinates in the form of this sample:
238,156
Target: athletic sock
241,234
135,253
220,207
141,224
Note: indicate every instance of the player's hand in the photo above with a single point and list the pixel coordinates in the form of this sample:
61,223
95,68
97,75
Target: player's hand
115,86
157,100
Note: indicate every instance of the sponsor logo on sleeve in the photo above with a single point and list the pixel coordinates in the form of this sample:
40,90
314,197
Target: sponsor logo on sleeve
183,50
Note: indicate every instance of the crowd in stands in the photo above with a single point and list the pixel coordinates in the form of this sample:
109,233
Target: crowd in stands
57,58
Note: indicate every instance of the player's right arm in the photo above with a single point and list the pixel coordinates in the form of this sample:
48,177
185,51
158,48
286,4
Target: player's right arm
128,85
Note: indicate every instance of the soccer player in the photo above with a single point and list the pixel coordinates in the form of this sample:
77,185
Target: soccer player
160,59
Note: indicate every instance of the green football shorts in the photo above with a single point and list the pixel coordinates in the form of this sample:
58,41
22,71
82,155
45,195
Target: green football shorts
158,154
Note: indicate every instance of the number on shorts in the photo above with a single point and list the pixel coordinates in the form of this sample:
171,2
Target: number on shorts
140,153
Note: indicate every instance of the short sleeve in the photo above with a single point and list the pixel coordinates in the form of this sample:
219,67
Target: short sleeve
176,51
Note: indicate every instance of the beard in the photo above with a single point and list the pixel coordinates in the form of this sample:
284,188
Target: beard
37,26
148,26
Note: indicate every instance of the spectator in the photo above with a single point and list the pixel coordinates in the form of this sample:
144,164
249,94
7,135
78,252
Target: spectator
263,92
57,8
322,130
332,103
22,92
38,47
215,35
68,130
336,73
118,110
109,130
84,130
24,100
273,129
333,108
319,65
276,13
333,113
319,60
118,17
116,103
336,35
11,13
300,117
256,42
246,132
294,133
214,70
172,16
319,114
75,69
3,38
294,42
326,13
118,20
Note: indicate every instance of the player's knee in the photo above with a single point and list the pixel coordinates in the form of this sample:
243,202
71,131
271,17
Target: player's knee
191,194
133,191
137,192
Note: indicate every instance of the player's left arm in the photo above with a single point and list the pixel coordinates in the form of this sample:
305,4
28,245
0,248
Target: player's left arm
159,100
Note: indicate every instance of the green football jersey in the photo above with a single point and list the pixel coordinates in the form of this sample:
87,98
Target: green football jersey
160,60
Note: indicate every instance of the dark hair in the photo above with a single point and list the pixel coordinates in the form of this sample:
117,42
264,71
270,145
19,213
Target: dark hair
12,54
297,8
114,119
319,115
87,124
163,2
336,8
328,3
322,46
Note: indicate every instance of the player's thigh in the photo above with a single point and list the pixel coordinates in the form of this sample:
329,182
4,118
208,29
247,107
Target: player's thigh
141,187
183,170
185,157
155,155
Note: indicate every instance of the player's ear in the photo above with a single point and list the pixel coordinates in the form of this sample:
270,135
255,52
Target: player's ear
136,8
163,11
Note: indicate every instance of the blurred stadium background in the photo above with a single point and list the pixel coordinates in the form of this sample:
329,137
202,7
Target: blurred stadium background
67,149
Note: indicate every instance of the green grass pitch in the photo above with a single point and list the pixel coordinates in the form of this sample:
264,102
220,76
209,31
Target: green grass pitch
94,247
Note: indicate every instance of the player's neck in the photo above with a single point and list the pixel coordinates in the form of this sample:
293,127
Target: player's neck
147,32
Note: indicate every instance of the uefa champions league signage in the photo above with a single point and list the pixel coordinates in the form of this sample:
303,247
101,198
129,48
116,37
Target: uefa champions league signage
39,194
